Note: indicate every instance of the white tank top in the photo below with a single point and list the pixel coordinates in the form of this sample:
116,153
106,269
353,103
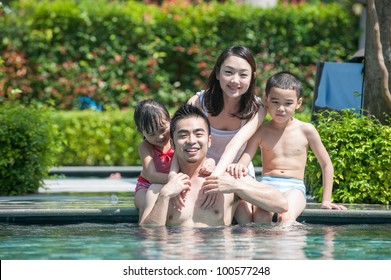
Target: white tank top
221,138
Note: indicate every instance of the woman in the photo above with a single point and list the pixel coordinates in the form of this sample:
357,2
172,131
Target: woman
232,107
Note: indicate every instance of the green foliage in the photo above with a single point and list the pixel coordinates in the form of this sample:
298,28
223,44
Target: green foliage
104,138
360,149
119,52
98,138
28,148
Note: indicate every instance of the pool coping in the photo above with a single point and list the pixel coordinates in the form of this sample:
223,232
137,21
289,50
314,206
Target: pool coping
130,215
23,214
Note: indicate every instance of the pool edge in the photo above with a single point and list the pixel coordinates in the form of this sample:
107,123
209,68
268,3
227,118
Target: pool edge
130,215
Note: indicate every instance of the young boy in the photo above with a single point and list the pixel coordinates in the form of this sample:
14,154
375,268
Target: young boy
284,143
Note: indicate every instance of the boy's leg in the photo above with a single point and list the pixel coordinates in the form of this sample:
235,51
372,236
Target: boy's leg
296,202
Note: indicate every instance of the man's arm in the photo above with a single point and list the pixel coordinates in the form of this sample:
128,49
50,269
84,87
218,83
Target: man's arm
158,199
250,190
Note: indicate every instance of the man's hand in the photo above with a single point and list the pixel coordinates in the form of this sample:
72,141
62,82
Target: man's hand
207,200
224,183
177,184
179,200
214,185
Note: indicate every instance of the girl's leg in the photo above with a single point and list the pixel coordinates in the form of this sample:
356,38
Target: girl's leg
139,201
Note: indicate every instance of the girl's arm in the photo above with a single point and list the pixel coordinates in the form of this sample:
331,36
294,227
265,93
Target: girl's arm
174,169
149,170
240,138
251,149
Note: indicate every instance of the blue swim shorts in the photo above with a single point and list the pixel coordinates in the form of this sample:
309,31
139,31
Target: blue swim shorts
284,184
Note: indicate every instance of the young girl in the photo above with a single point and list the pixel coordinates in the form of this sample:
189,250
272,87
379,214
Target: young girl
233,109
153,122
157,156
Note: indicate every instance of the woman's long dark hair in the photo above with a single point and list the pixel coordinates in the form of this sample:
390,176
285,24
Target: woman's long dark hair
213,97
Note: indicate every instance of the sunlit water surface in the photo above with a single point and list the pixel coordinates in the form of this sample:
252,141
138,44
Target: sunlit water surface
132,242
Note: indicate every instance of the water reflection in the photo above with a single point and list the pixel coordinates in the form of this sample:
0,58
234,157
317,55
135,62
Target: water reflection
235,242
130,242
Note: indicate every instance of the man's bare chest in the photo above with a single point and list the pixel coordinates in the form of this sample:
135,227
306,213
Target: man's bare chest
194,210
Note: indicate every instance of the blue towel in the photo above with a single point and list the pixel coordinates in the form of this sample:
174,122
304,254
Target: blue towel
87,103
340,86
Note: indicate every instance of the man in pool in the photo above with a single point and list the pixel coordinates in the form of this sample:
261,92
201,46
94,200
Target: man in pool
190,133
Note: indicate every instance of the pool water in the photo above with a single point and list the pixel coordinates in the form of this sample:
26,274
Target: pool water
132,242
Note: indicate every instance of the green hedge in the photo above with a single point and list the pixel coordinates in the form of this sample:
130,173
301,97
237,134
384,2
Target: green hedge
33,139
98,138
119,52
105,138
360,149
92,138
29,143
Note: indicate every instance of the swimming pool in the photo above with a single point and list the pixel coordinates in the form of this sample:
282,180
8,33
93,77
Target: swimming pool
126,241
102,226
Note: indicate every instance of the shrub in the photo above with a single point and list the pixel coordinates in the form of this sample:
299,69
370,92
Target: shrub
98,138
105,138
118,52
27,148
360,149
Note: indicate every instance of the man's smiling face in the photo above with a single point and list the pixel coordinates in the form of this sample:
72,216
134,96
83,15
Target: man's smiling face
191,140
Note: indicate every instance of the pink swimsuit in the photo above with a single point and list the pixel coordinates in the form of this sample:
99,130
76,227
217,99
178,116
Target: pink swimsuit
162,163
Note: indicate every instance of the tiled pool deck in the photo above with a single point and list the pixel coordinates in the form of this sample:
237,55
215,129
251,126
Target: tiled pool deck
65,201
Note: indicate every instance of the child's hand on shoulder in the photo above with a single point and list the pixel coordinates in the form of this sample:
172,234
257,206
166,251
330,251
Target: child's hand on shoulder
237,170
208,167
179,200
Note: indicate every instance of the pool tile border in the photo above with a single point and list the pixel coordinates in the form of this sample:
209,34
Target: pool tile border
130,215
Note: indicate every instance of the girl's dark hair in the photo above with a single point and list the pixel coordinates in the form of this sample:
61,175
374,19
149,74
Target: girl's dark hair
284,80
213,97
150,115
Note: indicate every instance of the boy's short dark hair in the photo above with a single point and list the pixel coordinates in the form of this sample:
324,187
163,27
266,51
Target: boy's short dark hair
284,80
187,111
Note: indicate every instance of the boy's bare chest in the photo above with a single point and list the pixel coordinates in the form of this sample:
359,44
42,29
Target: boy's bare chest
291,141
